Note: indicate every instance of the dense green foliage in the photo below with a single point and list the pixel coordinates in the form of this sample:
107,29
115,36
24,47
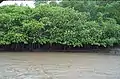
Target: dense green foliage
107,8
77,24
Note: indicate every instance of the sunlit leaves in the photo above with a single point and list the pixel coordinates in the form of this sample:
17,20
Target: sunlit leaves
54,24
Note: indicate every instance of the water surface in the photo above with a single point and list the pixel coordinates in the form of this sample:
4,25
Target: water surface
59,66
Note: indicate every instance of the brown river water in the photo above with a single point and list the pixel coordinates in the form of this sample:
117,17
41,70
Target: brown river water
59,66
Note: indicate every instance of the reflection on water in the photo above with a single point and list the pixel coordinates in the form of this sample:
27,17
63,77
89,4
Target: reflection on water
59,66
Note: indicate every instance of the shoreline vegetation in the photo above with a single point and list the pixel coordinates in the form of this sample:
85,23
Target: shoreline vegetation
85,25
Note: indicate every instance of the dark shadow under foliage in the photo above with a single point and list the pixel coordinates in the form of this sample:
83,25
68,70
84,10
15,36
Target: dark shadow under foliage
49,48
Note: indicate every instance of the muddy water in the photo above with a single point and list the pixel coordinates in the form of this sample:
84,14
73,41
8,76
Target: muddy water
59,66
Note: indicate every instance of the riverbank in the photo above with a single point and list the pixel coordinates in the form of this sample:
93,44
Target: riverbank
115,50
